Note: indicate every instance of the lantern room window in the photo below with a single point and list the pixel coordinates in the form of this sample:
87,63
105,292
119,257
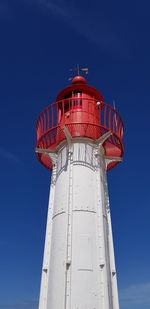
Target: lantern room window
71,101
77,99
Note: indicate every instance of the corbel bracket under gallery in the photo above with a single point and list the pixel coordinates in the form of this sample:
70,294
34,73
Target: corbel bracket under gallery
67,134
100,141
50,153
109,160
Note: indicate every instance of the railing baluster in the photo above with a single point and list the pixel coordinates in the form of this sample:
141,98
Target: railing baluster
113,121
117,122
48,118
44,119
63,111
105,115
109,119
40,124
52,108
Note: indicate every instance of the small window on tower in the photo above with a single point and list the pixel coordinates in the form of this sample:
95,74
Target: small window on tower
67,102
77,99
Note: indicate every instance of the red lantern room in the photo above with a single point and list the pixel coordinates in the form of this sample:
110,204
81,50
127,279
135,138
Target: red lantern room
80,109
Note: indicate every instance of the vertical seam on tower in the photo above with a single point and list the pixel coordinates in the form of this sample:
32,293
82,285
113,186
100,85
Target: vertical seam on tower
106,240
115,299
67,304
46,258
100,240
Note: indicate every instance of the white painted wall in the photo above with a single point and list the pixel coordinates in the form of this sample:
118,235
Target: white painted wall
79,256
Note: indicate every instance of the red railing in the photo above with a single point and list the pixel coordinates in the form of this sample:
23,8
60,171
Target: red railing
54,117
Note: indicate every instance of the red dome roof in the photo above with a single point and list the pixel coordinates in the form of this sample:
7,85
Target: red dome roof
79,83
79,80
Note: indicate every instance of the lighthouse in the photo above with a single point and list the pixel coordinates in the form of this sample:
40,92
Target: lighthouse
79,139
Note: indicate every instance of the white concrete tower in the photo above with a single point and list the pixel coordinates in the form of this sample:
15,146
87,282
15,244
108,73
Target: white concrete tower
79,138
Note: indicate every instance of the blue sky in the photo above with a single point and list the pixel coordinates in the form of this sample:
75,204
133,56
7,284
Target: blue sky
40,40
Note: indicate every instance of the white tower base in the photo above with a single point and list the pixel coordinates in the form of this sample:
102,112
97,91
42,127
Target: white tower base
79,268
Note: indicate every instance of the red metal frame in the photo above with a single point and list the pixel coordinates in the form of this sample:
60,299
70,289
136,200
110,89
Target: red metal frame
81,122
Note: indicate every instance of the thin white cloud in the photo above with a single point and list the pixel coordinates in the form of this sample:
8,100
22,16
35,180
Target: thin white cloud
136,295
7,155
96,30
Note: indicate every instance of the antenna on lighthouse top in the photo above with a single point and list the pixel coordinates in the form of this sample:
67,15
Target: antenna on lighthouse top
114,104
78,71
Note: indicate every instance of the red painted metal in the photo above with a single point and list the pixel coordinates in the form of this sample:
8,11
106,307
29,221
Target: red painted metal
78,80
81,109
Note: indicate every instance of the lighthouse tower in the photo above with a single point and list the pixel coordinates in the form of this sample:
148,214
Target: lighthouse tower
79,138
